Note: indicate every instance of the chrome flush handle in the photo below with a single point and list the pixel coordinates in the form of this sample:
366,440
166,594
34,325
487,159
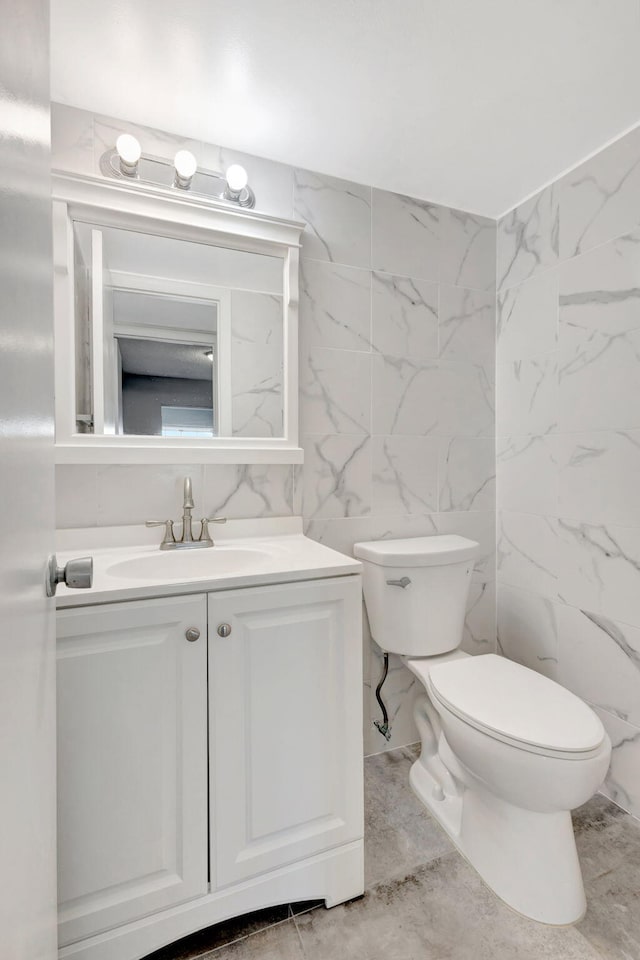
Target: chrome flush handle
403,582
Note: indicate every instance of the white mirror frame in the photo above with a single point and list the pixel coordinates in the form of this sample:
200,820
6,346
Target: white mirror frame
185,218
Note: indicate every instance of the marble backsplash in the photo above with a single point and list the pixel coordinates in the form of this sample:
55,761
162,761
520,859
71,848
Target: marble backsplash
397,332
568,443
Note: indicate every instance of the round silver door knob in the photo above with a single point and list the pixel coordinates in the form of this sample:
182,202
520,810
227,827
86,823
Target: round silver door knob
192,634
224,630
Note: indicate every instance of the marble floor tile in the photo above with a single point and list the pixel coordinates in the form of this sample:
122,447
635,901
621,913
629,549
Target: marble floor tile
608,842
424,902
442,911
399,833
281,942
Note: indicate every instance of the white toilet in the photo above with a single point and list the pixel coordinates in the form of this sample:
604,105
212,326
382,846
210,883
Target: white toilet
506,753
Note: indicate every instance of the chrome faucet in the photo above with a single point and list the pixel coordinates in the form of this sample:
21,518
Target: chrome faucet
186,540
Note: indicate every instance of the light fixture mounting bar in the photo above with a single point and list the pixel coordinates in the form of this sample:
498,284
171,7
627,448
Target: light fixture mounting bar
156,172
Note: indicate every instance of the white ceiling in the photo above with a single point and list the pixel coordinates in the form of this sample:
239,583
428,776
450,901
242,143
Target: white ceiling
471,103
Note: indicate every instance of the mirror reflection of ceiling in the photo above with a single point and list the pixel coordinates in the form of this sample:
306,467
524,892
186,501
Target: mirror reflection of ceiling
158,358
470,104
176,313
152,256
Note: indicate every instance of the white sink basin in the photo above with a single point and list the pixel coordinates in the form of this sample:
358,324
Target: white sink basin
189,564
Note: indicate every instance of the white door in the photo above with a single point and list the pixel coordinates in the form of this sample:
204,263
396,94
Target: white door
132,761
285,694
27,644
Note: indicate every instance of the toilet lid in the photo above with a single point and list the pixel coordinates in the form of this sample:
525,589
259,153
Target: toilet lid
502,697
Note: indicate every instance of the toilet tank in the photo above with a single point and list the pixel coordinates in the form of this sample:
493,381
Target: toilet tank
416,592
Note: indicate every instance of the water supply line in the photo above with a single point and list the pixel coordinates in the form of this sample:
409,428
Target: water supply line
383,727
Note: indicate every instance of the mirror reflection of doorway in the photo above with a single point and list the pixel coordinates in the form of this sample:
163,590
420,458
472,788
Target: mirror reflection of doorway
157,377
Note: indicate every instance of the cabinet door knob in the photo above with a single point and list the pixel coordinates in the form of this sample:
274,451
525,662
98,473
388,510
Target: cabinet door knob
192,634
224,629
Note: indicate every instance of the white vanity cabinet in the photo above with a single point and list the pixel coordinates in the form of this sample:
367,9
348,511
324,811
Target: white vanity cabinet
204,778
285,725
132,761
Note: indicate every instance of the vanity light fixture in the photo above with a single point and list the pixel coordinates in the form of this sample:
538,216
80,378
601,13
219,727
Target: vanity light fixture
185,166
129,152
128,161
237,180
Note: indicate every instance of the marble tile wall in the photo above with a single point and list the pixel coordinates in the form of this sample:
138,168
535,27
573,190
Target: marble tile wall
397,363
568,443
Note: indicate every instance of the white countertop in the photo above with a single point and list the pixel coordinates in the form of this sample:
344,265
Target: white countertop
273,551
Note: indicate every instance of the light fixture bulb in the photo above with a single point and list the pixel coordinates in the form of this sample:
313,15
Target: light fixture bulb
129,151
185,164
237,178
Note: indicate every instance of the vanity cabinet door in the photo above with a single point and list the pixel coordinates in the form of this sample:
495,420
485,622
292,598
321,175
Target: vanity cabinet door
132,761
285,688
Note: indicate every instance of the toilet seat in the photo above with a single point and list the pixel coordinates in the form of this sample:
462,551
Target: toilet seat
518,706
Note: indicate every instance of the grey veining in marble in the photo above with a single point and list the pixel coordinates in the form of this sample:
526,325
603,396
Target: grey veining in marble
468,255
527,318
599,659
479,635
600,199
405,236
600,338
528,238
335,306
335,392
248,490
467,474
527,396
466,400
602,460
622,783
256,364
600,568
405,396
405,475
337,478
338,218
467,325
528,630
405,316
527,553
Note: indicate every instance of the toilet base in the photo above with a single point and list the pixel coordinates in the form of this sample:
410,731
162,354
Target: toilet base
528,859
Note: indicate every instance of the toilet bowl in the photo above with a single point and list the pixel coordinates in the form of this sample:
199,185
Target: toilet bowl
506,753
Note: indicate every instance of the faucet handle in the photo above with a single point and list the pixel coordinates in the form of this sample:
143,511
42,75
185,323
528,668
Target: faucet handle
205,536
168,529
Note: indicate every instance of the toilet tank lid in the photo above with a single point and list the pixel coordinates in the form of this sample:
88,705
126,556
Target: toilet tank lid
417,551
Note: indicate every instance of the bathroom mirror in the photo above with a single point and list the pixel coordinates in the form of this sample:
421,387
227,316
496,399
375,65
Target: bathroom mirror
176,329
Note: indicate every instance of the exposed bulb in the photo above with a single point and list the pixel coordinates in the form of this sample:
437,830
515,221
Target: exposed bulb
237,178
129,151
185,164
